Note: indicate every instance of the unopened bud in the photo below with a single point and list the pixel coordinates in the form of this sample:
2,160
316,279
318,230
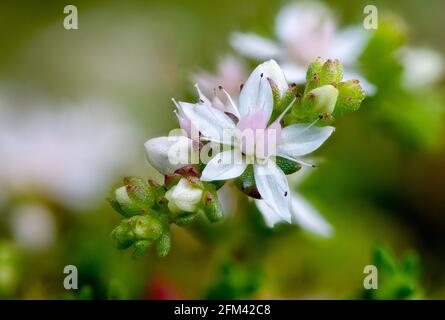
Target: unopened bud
331,72
314,69
163,244
140,248
350,97
212,207
139,192
122,203
146,227
184,197
321,100
123,235
133,198
185,219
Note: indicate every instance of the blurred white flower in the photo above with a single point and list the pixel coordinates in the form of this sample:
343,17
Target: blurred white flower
33,226
421,67
230,74
306,31
71,154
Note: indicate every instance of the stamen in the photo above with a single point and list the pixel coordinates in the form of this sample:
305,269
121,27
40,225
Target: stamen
235,108
301,162
310,125
177,105
202,97
285,110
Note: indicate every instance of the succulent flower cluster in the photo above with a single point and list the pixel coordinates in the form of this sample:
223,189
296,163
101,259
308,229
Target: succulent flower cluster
286,123
149,209
326,95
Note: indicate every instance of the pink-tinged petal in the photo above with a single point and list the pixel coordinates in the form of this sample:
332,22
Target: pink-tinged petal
257,92
218,104
185,124
254,46
211,122
256,95
225,165
269,141
254,120
307,29
273,188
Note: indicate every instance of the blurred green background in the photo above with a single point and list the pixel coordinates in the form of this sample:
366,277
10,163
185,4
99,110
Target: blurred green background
381,184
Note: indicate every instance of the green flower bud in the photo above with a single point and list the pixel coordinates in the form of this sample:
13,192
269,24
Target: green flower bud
212,207
184,197
123,235
331,72
350,97
275,92
139,192
314,69
321,100
287,98
122,203
158,191
163,244
140,248
133,198
146,227
185,219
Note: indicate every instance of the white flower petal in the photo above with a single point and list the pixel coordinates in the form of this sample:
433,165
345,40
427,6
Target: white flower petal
273,188
211,122
272,70
294,73
167,154
271,218
254,46
306,216
225,165
307,30
256,94
301,139
296,20
184,197
349,43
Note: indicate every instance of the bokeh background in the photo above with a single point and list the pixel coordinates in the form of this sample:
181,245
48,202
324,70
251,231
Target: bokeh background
76,107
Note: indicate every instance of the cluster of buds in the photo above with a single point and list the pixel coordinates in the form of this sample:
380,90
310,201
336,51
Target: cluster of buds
149,208
325,95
